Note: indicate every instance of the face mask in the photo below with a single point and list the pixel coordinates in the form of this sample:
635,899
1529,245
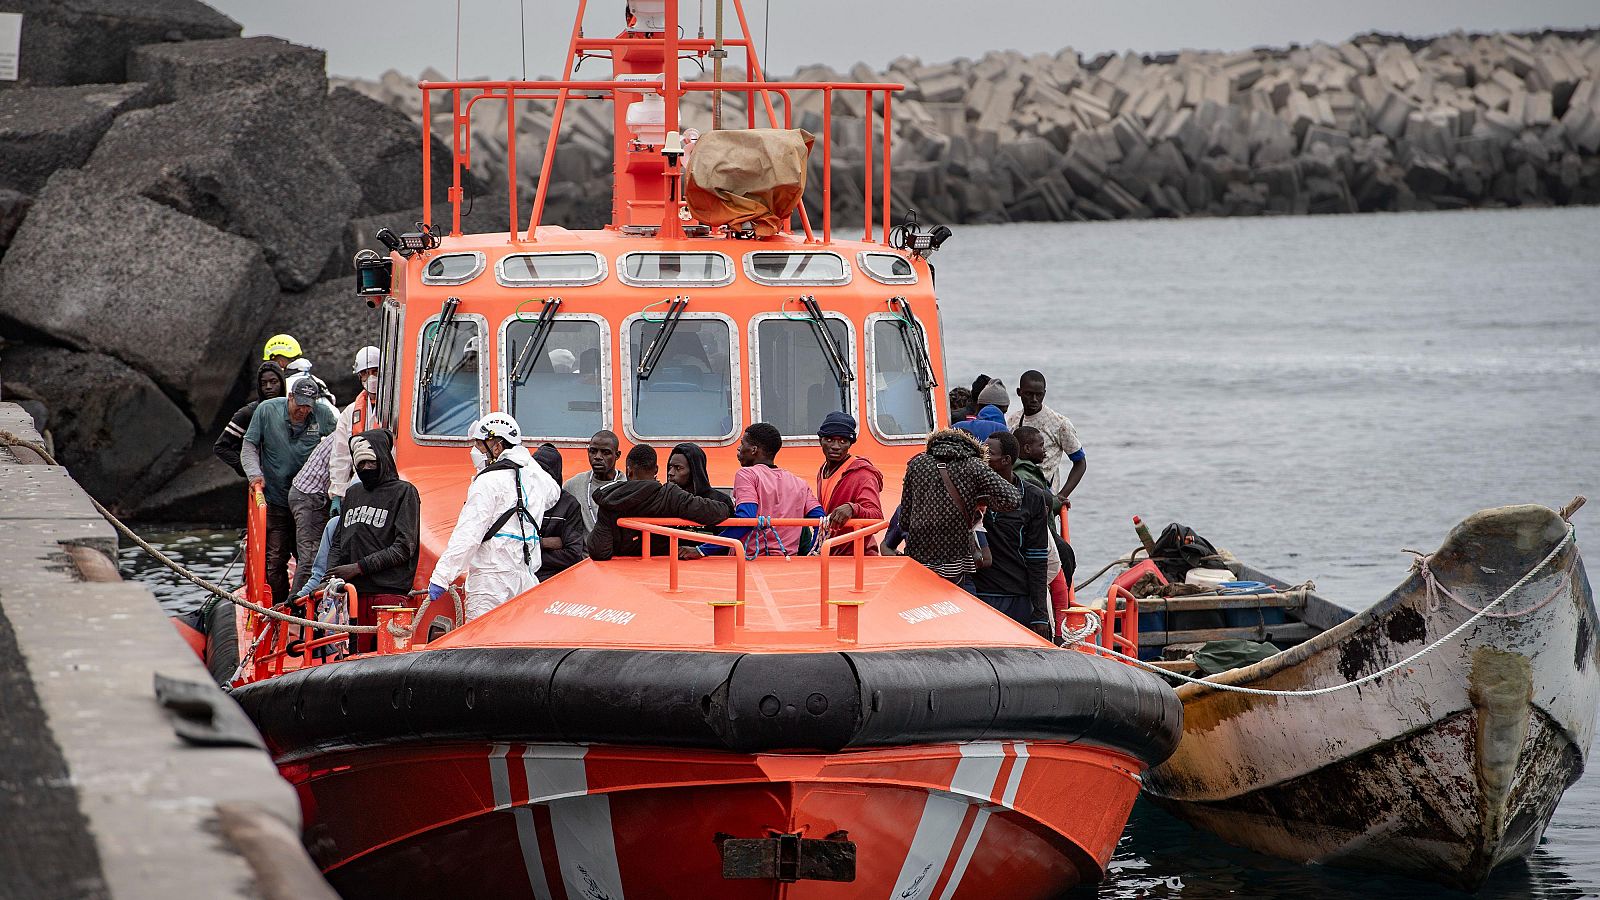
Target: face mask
369,478
371,384
478,459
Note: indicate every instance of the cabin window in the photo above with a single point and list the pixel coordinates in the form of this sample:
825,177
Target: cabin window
550,269
797,379
556,383
453,268
690,390
767,267
450,387
888,268
690,269
902,390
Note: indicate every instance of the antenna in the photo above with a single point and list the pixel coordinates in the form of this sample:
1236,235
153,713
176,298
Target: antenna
522,20
458,40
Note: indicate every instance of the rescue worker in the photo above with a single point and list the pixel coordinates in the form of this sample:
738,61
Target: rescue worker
282,349
359,416
496,538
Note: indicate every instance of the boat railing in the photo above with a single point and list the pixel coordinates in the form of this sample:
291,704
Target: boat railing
278,646
728,615
464,95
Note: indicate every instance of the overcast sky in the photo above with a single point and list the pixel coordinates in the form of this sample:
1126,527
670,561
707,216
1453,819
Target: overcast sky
366,37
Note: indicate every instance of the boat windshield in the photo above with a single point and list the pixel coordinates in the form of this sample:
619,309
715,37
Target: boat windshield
448,402
689,393
797,386
558,394
901,407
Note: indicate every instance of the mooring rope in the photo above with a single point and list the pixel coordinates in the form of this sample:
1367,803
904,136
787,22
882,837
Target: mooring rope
1365,679
183,571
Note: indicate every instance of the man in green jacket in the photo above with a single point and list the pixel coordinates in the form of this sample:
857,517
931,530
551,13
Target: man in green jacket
283,431
1063,562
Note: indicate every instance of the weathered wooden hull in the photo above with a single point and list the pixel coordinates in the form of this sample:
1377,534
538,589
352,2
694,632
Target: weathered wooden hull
1441,771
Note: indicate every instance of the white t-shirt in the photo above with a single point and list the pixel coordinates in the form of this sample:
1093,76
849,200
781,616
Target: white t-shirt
1060,440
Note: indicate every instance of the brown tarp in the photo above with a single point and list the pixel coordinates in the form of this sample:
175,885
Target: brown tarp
754,175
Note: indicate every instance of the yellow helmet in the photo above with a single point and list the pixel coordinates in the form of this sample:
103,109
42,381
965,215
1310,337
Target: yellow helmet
280,345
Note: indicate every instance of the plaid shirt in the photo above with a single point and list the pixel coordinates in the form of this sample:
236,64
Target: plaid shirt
313,476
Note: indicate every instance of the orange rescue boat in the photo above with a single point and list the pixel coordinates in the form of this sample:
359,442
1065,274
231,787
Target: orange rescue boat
811,726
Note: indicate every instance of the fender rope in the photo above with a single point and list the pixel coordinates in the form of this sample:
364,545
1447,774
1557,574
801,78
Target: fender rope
1262,692
183,572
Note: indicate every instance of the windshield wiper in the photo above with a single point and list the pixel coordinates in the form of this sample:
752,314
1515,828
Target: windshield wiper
916,346
831,351
523,367
447,316
658,344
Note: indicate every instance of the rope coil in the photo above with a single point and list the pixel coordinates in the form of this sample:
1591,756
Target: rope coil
1365,679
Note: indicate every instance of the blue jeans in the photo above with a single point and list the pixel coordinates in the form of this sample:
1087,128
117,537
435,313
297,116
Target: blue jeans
1016,606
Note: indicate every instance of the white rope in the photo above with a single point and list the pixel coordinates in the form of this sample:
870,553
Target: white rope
1261,692
184,572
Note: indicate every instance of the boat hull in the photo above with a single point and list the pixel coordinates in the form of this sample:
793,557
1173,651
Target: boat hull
1441,771
554,820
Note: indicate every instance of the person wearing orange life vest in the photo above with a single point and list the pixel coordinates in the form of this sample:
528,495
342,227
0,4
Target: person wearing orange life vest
848,486
359,416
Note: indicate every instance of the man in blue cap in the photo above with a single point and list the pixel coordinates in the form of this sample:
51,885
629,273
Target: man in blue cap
848,486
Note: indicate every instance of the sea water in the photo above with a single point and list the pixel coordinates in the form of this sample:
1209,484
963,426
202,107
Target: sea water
1313,394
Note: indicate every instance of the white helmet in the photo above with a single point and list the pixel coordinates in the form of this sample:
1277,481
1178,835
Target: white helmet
300,365
496,424
366,358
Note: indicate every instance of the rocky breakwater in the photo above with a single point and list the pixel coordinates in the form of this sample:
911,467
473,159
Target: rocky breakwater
1377,123
171,194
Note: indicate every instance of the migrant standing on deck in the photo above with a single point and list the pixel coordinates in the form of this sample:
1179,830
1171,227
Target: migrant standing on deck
1019,539
762,489
602,471
1060,438
945,487
282,433
642,497
563,541
848,486
269,384
379,532
496,538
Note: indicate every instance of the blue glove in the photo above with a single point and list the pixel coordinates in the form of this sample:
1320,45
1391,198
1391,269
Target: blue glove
435,592
334,510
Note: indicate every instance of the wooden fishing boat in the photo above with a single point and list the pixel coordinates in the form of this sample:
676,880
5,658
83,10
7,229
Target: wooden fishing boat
1443,769
772,727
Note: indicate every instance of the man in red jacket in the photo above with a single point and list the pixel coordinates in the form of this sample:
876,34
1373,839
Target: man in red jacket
847,486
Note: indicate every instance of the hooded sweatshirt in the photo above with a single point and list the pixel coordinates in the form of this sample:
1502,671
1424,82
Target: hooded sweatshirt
379,527
645,500
564,520
232,436
860,483
990,419
936,527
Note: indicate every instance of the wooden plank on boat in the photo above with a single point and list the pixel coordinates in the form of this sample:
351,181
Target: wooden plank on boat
1286,633
1222,601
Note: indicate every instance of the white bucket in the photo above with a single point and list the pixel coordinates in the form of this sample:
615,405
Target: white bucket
1208,577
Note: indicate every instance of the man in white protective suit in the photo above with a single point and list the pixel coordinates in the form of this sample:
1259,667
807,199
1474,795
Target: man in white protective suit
496,538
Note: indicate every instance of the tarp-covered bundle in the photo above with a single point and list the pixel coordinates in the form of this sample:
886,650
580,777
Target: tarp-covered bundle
755,175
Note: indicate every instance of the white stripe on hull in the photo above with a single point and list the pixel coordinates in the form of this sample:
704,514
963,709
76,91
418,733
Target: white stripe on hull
586,847
931,846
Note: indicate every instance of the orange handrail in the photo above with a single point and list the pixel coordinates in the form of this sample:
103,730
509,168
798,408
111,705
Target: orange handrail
858,538
277,638
256,589
1119,627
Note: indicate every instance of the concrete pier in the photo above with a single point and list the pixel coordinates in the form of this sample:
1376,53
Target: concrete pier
98,796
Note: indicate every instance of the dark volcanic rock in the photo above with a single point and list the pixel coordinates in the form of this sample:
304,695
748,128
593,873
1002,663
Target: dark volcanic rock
331,323
382,150
87,41
49,128
249,161
13,207
205,67
120,436
119,274
207,491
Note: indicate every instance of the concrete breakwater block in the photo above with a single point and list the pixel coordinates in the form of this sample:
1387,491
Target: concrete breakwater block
189,68
225,159
49,128
118,433
87,41
381,150
119,274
